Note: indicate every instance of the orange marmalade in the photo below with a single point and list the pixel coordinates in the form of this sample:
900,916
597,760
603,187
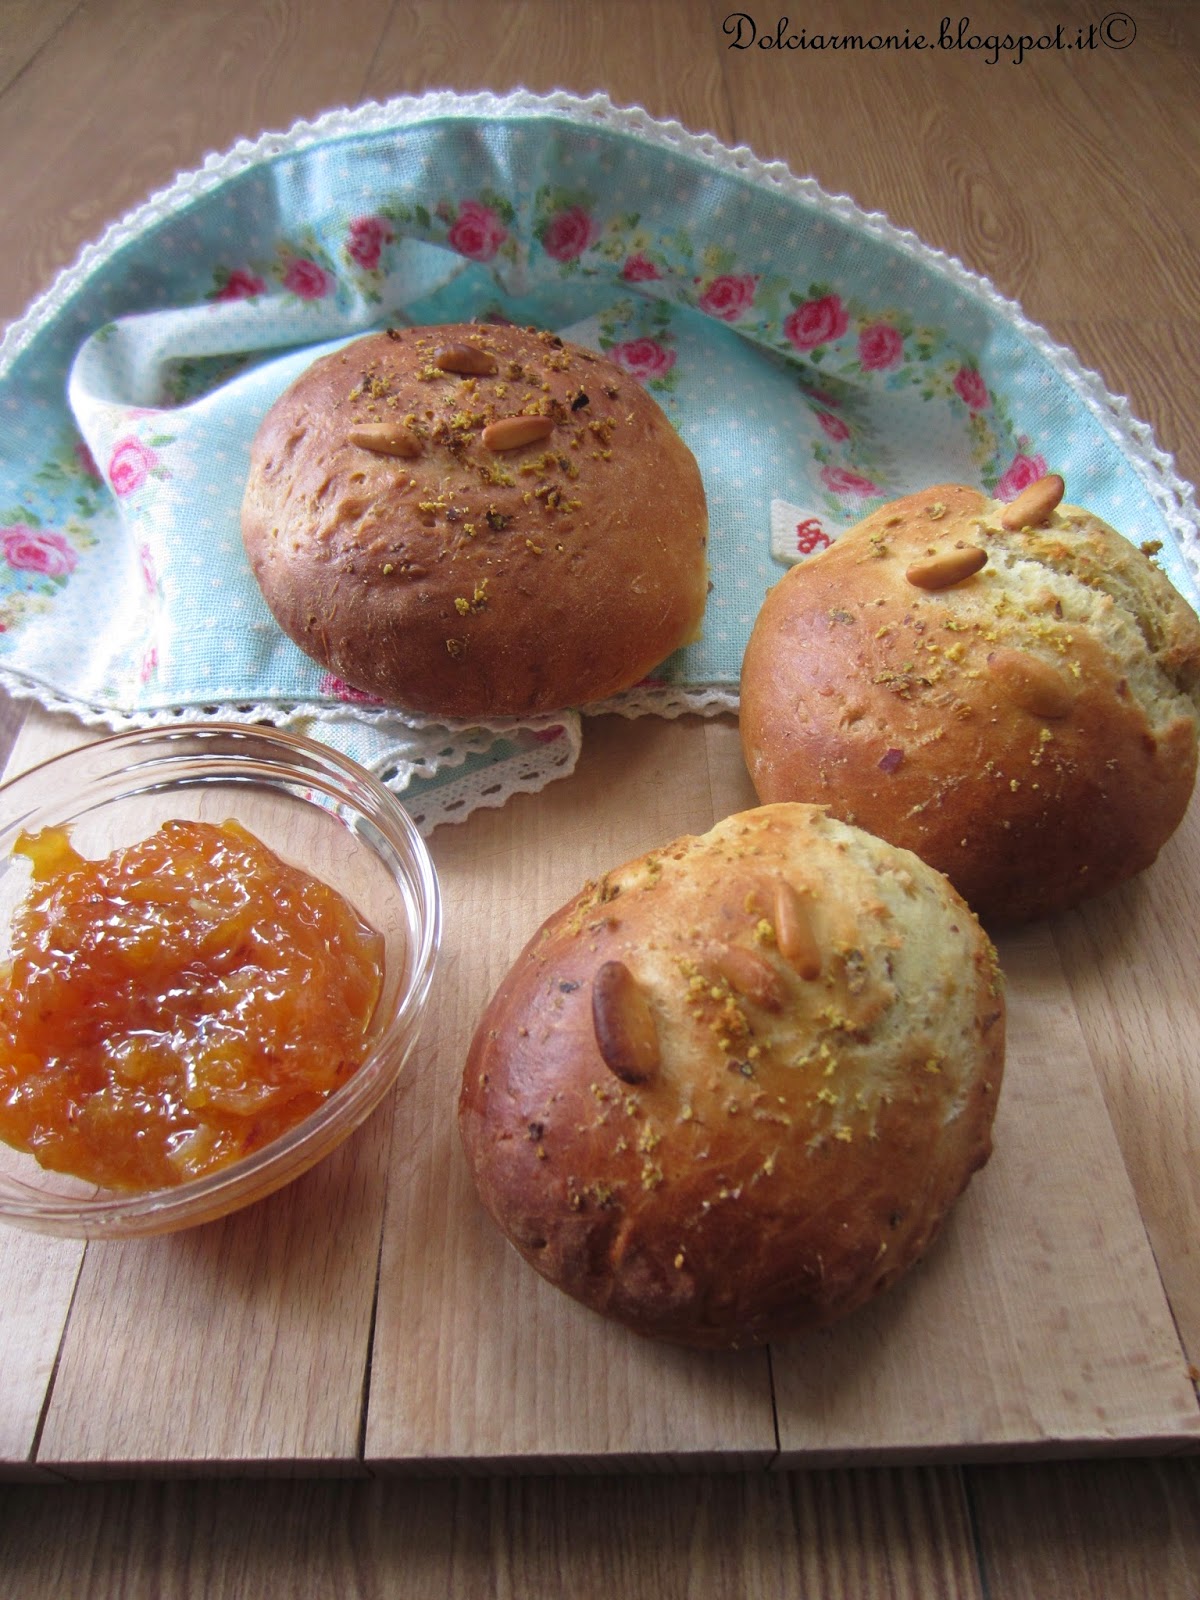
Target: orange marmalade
176,1005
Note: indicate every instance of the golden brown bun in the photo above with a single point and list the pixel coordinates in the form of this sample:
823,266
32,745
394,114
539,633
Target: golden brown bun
1031,730
721,1116
464,581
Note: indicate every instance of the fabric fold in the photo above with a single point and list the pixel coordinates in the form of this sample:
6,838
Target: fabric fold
816,360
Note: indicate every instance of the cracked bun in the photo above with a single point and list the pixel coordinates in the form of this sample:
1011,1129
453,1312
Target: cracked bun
731,1090
476,521
1010,691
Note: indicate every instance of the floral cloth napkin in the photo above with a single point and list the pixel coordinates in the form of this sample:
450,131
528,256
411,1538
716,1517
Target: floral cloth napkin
816,360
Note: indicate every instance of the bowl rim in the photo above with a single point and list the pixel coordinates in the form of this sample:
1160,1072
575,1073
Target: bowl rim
247,749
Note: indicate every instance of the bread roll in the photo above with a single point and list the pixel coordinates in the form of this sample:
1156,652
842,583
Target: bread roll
731,1090
476,521
1010,691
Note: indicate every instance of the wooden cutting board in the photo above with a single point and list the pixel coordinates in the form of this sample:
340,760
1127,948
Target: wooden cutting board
370,1318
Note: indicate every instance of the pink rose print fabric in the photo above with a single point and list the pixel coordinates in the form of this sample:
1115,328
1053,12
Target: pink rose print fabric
643,358
1023,470
307,280
568,234
336,688
816,322
367,238
476,232
241,284
838,481
38,551
729,296
130,465
639,269
880,347
815,364
833,427
970,388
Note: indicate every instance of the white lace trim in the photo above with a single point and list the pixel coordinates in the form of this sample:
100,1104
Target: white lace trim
1174,497
472,739
668,700
455,798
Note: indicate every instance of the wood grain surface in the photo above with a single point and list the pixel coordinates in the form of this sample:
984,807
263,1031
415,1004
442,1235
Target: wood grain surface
1070,181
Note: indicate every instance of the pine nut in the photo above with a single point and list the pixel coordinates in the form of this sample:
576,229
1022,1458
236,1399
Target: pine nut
1034,505
624,1024
794,934
385,439
947,568
1032,684
751,976
465,358
510,433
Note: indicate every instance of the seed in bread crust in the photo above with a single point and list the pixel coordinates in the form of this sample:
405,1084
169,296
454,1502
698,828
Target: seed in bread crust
462,358
385,439
510,433
1033,685
751,976
1034,505
794,936
623,1024
947,568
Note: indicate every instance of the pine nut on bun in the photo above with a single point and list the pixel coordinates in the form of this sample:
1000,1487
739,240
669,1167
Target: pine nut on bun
1011,691
731,1090
476,521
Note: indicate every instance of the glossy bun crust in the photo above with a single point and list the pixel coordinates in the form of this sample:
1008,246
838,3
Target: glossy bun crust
1030,729
731,1090
467,577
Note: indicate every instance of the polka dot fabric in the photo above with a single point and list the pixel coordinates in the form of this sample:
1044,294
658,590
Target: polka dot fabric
816,360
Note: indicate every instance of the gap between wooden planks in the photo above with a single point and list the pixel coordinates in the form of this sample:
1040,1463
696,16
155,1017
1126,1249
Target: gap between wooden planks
1037,1325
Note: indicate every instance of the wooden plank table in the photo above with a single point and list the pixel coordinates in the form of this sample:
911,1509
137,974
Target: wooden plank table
368,1321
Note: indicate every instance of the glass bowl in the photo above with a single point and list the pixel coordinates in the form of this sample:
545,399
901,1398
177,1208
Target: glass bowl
317,810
